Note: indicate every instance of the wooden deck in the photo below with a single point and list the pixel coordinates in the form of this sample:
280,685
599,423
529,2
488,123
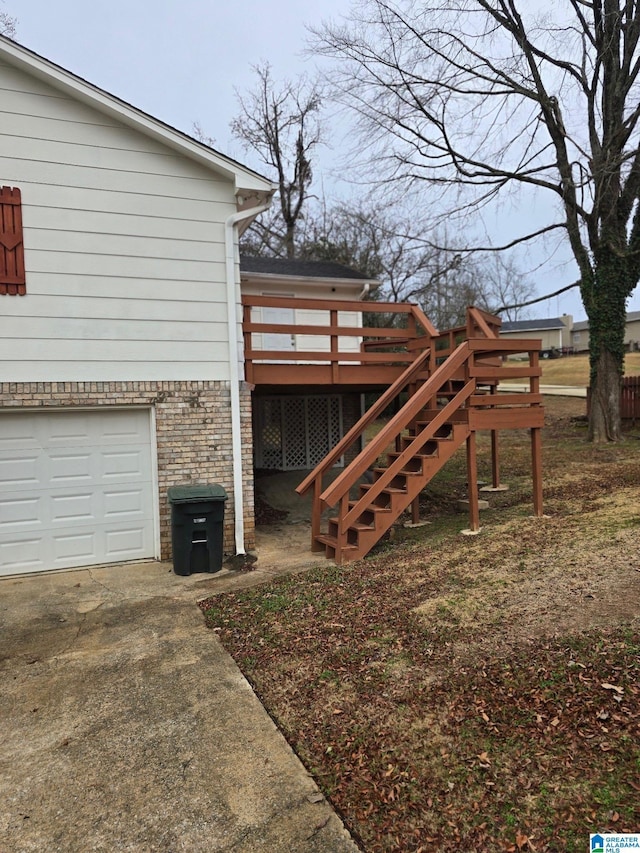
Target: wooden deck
449,386
334,349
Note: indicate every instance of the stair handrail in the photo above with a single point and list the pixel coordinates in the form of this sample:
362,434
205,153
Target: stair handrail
479,318
350,475
411,450
418,314
407,376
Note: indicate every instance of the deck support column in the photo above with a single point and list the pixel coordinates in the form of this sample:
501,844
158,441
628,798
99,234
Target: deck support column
472,481
536,470
536,441
495,460
415,510
341,538
316,512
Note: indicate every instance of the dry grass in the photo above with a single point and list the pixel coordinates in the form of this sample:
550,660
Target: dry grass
470,694
574,369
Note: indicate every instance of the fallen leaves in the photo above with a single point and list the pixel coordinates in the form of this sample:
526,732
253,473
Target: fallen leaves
478,736
615,687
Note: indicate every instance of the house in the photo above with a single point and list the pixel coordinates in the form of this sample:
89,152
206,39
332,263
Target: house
555,333
120,324
580,334
136,354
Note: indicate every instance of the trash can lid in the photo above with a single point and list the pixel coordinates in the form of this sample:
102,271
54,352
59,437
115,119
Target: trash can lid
195,493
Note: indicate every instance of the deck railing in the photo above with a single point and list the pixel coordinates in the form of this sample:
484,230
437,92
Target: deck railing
337,332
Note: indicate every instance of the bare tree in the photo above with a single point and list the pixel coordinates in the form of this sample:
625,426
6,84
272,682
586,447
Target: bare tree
505,287
480,96
7,25
199,133
282,126
412,267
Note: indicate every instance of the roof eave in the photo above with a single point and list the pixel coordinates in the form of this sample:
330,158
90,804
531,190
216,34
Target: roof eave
246,181
278,278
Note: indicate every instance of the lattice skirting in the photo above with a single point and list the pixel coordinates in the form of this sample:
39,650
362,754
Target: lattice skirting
292,433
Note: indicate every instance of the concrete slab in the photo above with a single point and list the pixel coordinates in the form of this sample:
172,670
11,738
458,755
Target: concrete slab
463,504
127,727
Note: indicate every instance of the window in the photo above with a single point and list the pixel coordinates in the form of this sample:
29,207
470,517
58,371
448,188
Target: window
12,276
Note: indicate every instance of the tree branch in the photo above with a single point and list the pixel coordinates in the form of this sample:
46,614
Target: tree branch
538,298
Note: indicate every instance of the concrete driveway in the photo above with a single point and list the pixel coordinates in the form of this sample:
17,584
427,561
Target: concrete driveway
126,727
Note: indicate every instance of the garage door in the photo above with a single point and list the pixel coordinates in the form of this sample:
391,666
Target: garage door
76,489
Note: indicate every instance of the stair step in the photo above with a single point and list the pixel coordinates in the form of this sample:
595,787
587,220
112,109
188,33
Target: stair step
390,490
404,472
439,435
431,413
431,448
332,542
372,507
395,453
355,525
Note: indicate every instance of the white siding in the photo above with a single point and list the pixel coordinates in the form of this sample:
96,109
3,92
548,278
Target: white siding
124,248
632,334
306,317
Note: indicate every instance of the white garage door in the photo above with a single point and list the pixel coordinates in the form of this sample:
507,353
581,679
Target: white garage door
76,489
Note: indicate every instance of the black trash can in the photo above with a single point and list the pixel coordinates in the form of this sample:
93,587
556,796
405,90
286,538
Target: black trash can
197,528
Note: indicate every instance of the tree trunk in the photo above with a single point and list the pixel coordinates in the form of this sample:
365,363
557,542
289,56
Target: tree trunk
604,419
607,319
289,240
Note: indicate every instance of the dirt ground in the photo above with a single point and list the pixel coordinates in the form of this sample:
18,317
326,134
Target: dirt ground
534,576
286,547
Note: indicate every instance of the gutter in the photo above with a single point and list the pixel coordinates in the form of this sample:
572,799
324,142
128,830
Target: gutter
236,357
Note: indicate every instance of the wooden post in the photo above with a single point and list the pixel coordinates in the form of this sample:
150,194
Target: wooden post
415,510
316,512
343,509
536,470
247,337
335,369
495,460
536,443
472,480
495,452
412,329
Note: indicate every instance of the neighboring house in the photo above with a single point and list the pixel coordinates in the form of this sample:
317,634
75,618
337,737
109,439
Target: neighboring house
120,330
555,332
580,334
295,426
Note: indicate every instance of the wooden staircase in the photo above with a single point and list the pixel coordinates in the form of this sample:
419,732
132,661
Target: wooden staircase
450,398
385,504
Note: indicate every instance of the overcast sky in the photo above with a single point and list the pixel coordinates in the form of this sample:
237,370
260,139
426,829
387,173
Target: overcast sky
180,60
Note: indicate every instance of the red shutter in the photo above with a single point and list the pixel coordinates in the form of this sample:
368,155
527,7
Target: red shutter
12,277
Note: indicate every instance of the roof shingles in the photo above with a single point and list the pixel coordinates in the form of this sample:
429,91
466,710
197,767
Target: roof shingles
297,268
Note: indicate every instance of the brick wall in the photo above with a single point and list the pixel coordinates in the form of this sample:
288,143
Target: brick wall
193,428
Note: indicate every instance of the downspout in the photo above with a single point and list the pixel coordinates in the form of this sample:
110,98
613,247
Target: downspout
235,357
